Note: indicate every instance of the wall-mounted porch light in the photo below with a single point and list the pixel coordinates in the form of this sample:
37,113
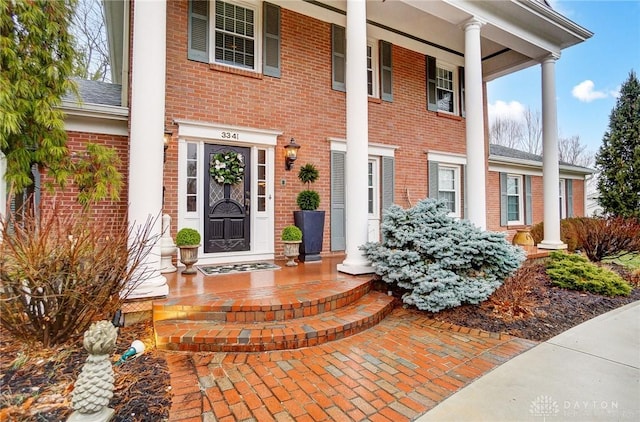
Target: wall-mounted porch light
291,153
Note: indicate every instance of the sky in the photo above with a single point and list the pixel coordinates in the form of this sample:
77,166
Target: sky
588,75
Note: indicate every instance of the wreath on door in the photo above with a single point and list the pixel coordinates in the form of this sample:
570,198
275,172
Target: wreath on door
227,168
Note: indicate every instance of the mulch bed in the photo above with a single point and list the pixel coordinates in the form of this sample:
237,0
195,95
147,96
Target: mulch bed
36,385
533,308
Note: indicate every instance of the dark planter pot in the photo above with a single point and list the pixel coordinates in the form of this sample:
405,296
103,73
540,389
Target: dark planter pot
312,225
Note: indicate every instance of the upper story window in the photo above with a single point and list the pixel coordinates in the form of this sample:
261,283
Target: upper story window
379,65
445,87
371,70
235,35
242,35
444,84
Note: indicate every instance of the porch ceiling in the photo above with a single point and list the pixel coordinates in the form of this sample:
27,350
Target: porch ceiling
516,34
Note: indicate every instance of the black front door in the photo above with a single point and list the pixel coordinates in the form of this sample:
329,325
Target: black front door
226,227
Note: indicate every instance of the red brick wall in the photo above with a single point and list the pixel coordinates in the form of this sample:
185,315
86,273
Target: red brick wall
66,199
302,105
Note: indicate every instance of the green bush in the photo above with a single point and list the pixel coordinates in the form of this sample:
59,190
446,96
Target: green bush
440,261
291,234
187,237
575,272
308,173
308,200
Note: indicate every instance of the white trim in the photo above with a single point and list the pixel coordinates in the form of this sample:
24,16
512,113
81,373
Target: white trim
562,197
447,158
262,225
226,133
456,188
531,171
381,150
521,193
375,68
96,118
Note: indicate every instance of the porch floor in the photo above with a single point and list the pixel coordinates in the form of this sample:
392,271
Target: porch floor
285,308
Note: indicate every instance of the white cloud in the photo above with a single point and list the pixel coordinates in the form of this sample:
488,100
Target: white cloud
511,110
584,92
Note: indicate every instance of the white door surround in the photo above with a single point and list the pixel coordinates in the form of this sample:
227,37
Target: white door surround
262,144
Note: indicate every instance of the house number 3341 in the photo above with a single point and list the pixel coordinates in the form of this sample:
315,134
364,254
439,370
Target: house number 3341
229,135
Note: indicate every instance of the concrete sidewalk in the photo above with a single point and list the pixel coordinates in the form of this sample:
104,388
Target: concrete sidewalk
590,372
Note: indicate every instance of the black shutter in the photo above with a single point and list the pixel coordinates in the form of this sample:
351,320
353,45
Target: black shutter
461,90
432,100
271,54
386,71
338,58
198,49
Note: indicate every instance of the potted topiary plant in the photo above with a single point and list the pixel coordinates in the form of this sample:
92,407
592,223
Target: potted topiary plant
291,237
309,219
188,241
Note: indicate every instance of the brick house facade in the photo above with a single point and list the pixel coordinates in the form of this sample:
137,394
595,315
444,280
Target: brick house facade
405,121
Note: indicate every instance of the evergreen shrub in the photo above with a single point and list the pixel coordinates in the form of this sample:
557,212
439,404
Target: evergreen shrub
575,272
187,237
291,234
442,262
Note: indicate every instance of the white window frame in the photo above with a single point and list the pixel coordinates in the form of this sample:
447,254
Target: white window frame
562,198
454,88
375,69
520,196
456,187
257,30
373,186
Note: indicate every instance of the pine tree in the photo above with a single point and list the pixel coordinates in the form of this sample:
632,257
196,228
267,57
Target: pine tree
618,159
36,64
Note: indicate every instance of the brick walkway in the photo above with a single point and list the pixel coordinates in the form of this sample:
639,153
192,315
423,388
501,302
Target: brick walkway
395,371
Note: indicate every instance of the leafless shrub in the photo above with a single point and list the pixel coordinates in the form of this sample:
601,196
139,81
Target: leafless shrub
60,271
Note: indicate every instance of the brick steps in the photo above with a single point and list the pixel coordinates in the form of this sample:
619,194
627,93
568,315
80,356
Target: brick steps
292,333
263,304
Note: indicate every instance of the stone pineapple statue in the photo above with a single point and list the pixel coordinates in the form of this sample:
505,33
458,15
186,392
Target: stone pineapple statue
94,387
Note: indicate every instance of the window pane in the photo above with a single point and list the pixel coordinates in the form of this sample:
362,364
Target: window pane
450,200
513,208
446,179
513,187
191,203
262,204
192,187
192,152
191,169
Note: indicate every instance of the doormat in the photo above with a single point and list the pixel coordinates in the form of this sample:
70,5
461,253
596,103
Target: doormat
236,268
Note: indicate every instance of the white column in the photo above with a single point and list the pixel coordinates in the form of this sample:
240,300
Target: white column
550,158
146,133
357,140
474,105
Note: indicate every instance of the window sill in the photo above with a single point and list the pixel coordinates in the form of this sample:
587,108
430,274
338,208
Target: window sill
235,71
449,116
374,100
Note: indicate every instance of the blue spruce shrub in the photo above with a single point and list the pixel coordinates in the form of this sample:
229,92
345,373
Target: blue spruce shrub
441,262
